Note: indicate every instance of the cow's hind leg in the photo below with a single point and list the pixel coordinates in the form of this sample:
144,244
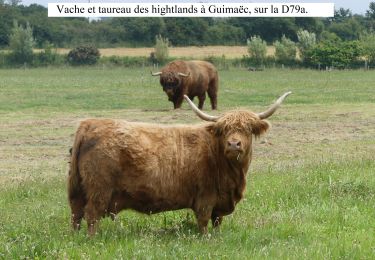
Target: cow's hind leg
212,92
201,99
96,208
77,206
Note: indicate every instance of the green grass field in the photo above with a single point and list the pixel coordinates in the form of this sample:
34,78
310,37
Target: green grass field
310,192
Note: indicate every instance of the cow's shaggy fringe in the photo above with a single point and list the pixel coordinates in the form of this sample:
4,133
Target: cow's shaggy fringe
242,120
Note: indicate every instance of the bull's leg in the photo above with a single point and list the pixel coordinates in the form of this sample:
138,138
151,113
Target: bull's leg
203,215
77,206
201,99
216,220
212,92
213,98
92,216
95,209
177,103
116,205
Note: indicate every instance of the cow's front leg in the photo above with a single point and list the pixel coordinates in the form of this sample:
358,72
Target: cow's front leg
178,103
203,215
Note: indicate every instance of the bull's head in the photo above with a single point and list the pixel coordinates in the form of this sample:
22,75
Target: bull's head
171,81
236,128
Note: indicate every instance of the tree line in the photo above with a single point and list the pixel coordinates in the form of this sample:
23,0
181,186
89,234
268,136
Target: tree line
141,32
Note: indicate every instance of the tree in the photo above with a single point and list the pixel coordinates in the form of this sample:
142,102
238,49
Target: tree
342,14
368,45
370,17
161,48
21,43
222,33
338,53
285,50
185,31
371,12
306,41
311,24
257,48
140,30
348,29
269,29
6,20
14,2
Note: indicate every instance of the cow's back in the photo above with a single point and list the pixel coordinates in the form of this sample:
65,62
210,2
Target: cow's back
202,74
156,167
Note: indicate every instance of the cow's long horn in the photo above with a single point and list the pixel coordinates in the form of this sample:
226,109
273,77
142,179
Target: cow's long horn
199,113
274,107
183,74
156,73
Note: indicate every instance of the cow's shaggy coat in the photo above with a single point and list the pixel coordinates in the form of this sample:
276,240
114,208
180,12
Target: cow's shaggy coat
151,168
191,78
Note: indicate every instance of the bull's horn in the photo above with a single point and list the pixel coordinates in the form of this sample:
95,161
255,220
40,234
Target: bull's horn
156,73
183,74
274,107
199,113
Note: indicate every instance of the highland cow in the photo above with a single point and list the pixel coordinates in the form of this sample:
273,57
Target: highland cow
151,168
191,78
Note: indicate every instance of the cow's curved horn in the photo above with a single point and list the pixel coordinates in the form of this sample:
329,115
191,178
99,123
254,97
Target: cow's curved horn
274,107
183,74
156,73
199,113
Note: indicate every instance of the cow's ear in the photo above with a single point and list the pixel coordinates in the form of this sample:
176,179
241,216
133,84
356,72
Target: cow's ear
214,129
259,127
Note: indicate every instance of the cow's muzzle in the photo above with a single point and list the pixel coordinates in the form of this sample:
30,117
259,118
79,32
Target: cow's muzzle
234,145
234,149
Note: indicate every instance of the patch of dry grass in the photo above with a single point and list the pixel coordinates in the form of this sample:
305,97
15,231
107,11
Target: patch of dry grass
188,52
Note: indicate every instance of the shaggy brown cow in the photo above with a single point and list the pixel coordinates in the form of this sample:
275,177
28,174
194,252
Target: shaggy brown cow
153,168
191,78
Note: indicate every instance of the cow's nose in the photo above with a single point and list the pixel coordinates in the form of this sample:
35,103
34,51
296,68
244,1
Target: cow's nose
234,144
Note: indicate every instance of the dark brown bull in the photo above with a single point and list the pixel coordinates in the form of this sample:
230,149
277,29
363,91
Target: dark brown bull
151,168
191,78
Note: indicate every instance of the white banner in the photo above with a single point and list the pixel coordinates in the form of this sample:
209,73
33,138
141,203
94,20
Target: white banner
190,9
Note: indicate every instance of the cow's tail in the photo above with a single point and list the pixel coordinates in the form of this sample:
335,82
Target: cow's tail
74,178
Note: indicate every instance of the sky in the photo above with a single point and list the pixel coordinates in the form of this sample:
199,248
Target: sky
356,6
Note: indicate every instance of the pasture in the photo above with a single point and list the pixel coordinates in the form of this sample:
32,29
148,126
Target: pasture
310,191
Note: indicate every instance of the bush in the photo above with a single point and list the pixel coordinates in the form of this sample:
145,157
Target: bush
220,63
339,54
3,60
128,62
84,55
306,41
48,56
161,52
249,62
257,49
285,51
367,42
21,43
